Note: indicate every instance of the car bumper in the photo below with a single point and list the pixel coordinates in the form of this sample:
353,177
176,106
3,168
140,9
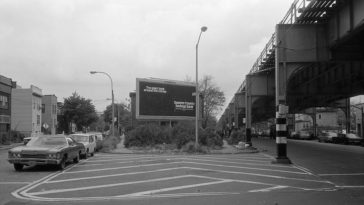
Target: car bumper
33,161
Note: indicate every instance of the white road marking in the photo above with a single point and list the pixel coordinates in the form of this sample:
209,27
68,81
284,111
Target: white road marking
247,163
24,193
303,169
345,174
37,198
108,185
268,156
263,175
243,167
112,175
122,162
1,183
235,158
269,189
155,191
21,193
126,159
123,167
353,186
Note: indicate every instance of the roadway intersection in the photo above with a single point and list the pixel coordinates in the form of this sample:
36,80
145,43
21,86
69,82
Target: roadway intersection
125,177
188,179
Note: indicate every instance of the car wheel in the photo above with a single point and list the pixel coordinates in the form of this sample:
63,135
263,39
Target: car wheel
18,167
76,159
62,164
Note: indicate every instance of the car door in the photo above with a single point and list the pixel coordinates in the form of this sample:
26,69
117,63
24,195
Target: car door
72,149
92,143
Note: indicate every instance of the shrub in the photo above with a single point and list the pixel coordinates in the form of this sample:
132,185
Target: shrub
147,135
236,136
180,135
110,142
189,147
210,138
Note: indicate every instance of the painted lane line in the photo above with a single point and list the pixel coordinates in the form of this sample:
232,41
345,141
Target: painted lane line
268,156
123,167
235,159
303,169
1,183
37,198
269,189
155,191
22,192
112,175
127,159
345,174
264,175
19,192
243,167
123,162
246,163
352,187
108,185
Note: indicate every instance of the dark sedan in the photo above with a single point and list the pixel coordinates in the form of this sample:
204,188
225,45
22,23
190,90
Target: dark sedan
348,138
46,150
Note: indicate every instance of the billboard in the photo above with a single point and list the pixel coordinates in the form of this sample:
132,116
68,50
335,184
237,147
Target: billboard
158,99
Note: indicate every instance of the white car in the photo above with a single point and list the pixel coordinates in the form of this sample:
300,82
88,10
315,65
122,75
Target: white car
88,140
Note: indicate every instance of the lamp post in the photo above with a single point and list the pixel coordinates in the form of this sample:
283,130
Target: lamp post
203,29
112,100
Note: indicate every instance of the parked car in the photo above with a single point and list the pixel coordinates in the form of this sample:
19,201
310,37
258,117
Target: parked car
349,138
26,140
293,135
46,150
326,136
99,140
88,140
303,135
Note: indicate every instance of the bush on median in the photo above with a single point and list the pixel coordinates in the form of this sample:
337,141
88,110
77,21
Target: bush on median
181,136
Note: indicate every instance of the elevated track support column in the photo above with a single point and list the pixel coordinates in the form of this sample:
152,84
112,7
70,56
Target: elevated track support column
281,135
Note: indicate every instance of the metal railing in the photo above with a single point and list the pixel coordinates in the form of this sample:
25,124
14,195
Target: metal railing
268,49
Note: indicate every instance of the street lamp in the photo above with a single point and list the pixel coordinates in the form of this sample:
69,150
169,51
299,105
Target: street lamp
112,100
203,29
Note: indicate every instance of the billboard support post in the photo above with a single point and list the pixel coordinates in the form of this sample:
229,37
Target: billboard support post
203,29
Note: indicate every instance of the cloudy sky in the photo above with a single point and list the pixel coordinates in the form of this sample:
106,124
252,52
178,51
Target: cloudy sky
54,44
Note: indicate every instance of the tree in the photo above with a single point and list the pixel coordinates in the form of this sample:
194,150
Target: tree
122,114
78,110
212,100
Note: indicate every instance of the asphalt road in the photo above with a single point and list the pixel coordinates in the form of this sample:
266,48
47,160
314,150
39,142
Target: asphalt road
191,179
341,164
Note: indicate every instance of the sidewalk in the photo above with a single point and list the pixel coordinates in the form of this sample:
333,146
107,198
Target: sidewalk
226,149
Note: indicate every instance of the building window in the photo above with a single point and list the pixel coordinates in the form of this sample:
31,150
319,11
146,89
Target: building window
319,116
38,119
4,103
43,108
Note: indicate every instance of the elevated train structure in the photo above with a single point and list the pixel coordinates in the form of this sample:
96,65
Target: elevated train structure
315,58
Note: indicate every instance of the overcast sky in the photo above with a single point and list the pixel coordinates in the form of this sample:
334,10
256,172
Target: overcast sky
54,44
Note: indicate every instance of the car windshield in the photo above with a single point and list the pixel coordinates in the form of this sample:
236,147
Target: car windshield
47,141
80,138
